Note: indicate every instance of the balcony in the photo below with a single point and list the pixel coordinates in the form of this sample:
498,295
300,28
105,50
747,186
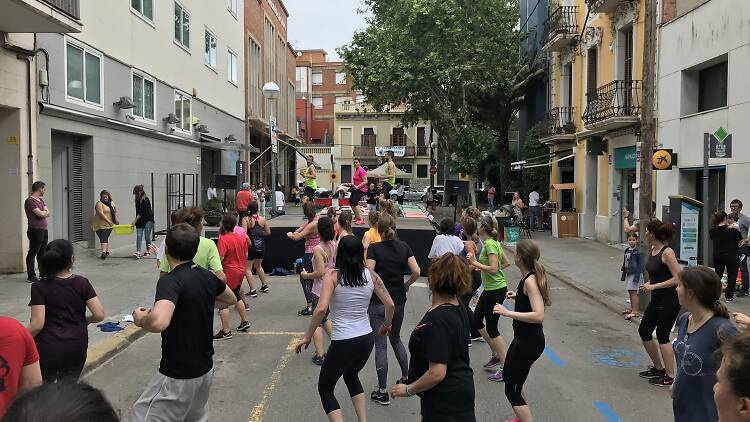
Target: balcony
369,140
40,16
614,105
351,108
603,6
410,151
561,28
558,124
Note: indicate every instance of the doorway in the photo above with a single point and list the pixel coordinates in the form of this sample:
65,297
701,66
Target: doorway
61,190
71,189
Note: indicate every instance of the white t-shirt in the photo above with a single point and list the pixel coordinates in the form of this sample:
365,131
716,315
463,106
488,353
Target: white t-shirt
279,199
444,244
534,199
211,193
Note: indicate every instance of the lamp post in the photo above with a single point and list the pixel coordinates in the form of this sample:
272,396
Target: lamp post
271,92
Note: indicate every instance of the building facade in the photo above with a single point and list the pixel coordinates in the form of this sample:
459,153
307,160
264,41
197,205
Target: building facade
592,126
148,93
329,86
269,58
703,56
536,96
20,60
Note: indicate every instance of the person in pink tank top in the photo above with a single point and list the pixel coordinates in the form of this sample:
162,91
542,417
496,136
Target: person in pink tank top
359,189
308,231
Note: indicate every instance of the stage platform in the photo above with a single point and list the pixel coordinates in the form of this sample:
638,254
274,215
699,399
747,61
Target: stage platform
282,252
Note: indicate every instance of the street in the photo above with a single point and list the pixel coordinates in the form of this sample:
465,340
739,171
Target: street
588,372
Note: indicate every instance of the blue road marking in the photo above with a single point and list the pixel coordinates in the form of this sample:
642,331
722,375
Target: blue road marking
553,357
607,412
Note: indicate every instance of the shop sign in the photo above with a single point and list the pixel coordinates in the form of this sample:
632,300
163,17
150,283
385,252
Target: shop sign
689,233
721,144
625,158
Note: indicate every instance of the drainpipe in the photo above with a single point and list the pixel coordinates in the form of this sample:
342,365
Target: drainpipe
26,55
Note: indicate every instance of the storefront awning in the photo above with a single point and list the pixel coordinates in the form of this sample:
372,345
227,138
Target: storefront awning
564,186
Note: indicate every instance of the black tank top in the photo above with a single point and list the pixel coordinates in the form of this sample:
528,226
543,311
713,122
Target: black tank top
256,235
659,272
523,304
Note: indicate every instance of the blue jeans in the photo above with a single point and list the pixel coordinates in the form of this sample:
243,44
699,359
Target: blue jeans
139,232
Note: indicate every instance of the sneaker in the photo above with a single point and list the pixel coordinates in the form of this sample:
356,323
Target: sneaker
137,255
730,299
264,288
492,363
145,254
103,256
247,307
652,372
32,279
252,293
381,398
222,335
496,377
664,381
401,380
318,360
305,312
244,326
478,338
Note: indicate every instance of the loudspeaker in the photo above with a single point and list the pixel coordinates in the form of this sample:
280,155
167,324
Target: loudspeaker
456,187
225,181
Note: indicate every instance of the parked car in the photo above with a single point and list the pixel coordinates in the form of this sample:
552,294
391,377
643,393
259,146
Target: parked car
409,194
440,191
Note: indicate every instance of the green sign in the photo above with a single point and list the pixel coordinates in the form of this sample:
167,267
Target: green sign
625,158
721,144
512,234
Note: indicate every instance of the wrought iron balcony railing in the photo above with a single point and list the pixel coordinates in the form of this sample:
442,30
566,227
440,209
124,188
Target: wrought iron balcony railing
71,8
562,21
559,121
616,99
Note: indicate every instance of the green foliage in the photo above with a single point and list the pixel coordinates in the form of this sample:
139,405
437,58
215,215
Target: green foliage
455,63
213,208
536,178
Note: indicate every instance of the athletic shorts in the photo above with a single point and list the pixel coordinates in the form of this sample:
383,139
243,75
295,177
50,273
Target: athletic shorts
387,188
309,193
166,398
103,235
253,253
238,293
355,197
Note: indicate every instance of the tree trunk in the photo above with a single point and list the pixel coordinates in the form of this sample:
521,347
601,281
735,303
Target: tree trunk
645,195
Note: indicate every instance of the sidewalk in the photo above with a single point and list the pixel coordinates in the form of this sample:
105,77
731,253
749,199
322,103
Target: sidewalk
593,268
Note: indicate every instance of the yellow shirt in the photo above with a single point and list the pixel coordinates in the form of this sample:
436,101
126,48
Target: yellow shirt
374,237
98,223
308,180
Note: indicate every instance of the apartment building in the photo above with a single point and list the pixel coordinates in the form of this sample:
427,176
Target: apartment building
592,126
269,58
533,16
148,93
20,22
704,54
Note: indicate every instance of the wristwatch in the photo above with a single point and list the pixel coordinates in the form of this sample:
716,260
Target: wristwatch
408,391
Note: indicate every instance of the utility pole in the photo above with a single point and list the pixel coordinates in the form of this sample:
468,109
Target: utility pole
648,128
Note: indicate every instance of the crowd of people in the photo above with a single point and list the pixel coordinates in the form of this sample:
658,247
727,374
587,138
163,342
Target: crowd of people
355,293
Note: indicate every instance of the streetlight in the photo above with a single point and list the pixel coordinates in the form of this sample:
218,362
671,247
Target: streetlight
271,92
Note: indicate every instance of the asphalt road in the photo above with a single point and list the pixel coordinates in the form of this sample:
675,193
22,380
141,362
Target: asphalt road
588,372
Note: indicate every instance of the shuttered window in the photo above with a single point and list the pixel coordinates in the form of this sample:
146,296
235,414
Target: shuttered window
76,192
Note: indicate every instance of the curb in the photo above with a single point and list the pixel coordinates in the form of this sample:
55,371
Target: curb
108,348
581,288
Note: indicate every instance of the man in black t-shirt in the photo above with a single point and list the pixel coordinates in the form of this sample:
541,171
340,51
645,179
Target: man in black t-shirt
183,314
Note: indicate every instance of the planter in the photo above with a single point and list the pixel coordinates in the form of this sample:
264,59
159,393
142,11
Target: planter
212,220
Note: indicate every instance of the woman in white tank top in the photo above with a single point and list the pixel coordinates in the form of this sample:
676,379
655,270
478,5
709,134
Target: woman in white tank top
347,290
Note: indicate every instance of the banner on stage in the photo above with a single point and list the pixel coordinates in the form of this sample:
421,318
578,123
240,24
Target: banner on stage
397,151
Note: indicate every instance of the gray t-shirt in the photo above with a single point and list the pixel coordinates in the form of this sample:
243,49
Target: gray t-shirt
697,363
744,224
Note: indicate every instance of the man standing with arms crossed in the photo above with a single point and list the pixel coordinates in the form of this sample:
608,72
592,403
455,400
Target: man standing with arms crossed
309,180
389,178
183,314
744,224
36,215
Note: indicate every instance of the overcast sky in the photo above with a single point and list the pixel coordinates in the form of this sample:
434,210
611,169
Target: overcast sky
325,24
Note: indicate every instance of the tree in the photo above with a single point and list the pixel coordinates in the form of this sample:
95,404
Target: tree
456,63
536,178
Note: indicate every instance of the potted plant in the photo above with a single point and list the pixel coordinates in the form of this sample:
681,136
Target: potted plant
213,212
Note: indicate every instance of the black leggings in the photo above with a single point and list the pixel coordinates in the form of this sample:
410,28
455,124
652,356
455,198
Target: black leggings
58,365
344,358
307,283
661,313
483,312
732,265
527,346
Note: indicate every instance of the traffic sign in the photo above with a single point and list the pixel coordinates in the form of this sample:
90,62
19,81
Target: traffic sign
433,170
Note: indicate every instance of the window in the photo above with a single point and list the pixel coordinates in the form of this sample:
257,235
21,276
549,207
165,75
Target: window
143,8
317,78
254,79
422,171
209,50
361,99
143,97
232,7
368,137
591,76
712,87
232,67
317,102
421,136
83,71
343,99
398,137
181,26
340,78
183,110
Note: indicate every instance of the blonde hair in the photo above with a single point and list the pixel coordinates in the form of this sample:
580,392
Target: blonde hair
387,207
489,225
528,252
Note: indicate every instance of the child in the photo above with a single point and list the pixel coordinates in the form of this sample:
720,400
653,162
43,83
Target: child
632,273
372,198
371,236
233,251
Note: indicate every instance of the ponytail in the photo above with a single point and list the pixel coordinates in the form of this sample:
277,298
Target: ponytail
385,227
719,309
56,257
489,225
705,285
541,280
